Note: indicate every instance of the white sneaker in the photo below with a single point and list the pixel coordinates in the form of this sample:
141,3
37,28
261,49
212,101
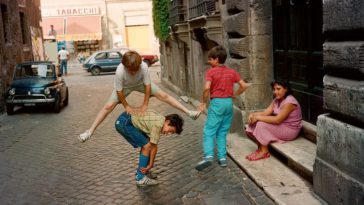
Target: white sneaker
146,182
85,136
151,175
194,114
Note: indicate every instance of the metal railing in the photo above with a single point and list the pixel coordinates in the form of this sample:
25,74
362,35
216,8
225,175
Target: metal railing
177,12
201,7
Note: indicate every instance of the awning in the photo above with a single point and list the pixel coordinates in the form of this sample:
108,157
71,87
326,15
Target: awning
78,28
58,25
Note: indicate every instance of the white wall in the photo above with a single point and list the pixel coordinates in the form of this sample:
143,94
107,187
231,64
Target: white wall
124,14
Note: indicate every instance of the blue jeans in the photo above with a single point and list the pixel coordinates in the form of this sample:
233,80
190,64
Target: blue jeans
63,67
134,136
217,125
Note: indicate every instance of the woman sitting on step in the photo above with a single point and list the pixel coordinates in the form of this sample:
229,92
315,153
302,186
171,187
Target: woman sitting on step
281,121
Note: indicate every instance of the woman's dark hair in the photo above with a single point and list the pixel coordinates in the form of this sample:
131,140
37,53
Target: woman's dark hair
176,121
284,83
218,52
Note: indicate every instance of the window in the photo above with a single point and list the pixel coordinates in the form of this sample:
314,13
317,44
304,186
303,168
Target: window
34,71
5,17
114,55
22,26
100,56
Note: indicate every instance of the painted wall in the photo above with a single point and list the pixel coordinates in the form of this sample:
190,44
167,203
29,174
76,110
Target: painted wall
134,17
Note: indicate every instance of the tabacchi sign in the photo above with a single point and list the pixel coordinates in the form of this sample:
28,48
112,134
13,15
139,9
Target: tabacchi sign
74,11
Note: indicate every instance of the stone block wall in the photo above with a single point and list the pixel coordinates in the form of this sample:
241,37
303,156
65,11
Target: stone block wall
245,29
248,28
338,170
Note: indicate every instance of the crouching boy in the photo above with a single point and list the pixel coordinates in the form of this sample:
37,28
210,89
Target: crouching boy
144,131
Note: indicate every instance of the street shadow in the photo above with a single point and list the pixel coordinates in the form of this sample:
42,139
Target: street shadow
40,109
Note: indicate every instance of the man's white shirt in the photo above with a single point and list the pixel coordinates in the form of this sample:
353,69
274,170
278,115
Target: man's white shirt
63,54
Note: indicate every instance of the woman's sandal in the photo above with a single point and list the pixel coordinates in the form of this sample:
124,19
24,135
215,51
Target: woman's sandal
252,154
259,156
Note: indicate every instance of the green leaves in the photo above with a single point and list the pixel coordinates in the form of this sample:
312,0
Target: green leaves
161,18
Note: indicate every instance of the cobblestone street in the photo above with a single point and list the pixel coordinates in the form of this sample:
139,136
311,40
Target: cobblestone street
42,162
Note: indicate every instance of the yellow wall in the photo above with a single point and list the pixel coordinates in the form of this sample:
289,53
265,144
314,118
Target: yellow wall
137,37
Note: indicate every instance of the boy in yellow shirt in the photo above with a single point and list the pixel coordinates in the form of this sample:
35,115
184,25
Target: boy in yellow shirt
144,131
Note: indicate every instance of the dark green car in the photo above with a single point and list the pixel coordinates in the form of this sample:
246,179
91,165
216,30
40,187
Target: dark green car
34,84
108,61
102,61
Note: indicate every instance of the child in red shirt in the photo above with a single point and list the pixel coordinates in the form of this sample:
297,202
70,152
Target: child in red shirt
219,84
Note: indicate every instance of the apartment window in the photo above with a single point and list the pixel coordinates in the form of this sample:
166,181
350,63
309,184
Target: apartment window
5,17
23,28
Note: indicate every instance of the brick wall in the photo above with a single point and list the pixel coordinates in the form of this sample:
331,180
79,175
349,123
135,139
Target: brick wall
13,49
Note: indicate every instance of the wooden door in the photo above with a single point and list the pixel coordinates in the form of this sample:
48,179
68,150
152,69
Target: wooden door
298,40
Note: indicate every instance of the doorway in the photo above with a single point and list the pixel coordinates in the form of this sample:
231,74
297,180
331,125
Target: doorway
297,51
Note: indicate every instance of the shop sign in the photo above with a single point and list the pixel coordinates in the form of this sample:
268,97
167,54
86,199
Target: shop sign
74,11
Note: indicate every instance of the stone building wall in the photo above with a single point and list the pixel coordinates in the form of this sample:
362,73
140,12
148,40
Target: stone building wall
12,48
245,29
248,29
338,170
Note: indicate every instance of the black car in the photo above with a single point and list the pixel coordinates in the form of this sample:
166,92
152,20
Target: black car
36,83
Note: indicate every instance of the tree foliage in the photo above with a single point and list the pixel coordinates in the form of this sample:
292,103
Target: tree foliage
161,18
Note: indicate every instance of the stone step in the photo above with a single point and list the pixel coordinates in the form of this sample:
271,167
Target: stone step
277,180
299,155
309,131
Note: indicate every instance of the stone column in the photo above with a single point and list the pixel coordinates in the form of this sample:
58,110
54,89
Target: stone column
248,32
338,175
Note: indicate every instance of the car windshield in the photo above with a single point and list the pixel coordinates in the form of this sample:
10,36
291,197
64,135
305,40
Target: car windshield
35,70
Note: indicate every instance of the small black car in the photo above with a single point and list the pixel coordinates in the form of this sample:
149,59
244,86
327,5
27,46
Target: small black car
36,83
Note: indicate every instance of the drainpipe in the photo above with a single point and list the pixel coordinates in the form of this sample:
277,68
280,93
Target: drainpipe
190,43
107,25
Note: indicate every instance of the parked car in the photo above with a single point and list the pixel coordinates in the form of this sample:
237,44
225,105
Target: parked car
108,61
34,84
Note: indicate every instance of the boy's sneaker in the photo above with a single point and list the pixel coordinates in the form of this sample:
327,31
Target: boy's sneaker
146,181
194,114
222,162
85,136
203,165
151,175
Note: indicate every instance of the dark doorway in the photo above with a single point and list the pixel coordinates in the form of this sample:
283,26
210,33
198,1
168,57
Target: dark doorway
298,40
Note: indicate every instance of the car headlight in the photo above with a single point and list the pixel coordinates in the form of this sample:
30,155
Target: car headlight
47,91
12,91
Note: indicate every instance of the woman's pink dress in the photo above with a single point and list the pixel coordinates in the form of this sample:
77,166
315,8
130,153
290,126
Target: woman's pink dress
286,131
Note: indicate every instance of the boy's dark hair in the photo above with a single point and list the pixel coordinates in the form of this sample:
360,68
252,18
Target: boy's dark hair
284,83
132,60
176,121
218,52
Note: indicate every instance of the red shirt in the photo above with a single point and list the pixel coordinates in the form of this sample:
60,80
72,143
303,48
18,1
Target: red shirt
222,81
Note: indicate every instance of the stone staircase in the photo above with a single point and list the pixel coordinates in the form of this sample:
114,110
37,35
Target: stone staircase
299,154
287,175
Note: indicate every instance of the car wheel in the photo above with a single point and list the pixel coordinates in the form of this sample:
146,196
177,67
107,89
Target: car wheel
95,71
9,109
147,62
65,102
57,104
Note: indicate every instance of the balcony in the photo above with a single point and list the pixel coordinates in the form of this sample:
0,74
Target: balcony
177,12
199,8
